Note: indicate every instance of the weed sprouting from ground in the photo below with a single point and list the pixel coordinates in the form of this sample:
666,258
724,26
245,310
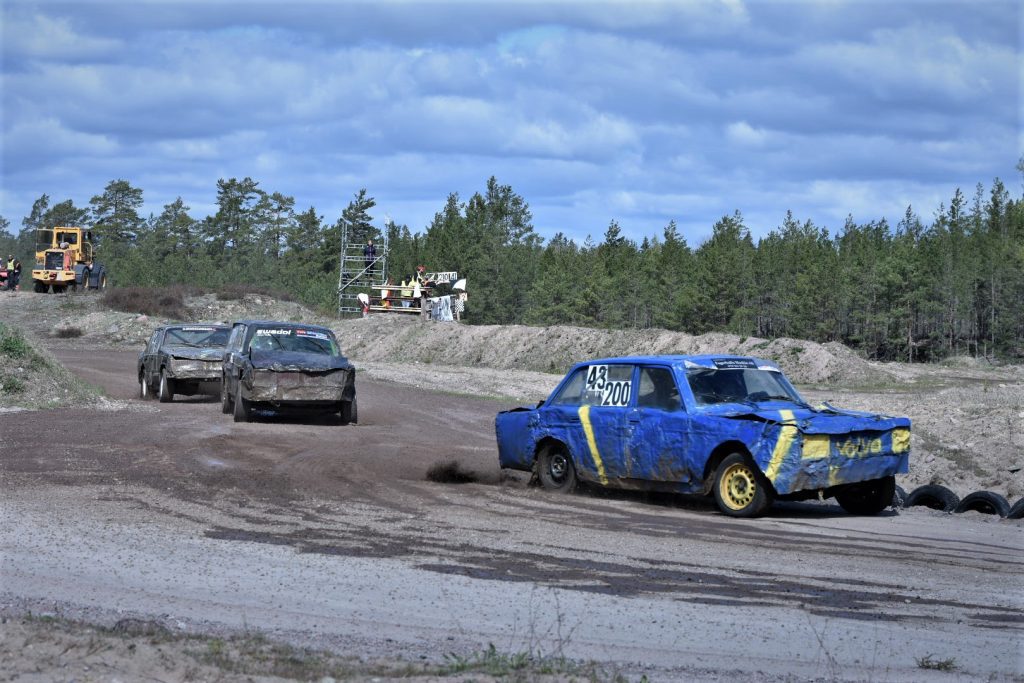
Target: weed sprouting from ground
450,472
927,662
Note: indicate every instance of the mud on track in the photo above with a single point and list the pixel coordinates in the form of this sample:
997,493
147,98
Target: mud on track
329,535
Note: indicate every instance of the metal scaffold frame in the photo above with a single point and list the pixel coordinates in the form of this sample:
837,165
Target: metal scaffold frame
357,276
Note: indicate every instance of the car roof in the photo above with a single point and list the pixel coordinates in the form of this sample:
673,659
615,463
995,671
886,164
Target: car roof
281,323
704,360
218,326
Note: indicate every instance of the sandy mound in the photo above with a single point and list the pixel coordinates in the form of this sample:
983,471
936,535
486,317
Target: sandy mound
553,349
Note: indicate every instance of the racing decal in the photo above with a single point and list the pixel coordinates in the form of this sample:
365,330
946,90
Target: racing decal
734,363
311,333
197,329
588,430
616,393
267,333
787,433
597,377
859,447
612,392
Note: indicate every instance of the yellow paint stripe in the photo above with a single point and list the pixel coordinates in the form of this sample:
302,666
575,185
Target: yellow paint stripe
816,446
786,435
900,440
588,429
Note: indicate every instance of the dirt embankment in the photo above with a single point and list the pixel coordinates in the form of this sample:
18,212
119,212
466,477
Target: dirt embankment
553,349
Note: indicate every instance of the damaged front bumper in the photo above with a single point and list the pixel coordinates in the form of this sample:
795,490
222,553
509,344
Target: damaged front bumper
299,388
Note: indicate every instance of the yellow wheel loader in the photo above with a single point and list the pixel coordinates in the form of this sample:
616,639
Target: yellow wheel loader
65,258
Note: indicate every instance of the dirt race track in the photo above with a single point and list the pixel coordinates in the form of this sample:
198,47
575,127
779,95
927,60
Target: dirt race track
330,536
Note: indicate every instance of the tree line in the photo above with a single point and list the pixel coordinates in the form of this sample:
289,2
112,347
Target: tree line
916,291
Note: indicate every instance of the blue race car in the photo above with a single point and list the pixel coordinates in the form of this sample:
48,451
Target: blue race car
729,425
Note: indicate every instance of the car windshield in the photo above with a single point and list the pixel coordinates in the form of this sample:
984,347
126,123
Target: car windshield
196,336
747,385
271,339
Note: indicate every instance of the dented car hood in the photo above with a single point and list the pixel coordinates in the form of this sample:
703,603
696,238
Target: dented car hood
823,419
295,361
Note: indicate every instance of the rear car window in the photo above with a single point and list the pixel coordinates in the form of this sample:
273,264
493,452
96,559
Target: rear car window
196,336
301,340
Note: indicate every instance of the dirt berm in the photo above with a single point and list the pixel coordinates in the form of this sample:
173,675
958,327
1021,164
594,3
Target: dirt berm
553,349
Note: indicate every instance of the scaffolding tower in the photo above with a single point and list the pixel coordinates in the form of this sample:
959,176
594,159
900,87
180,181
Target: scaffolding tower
357,274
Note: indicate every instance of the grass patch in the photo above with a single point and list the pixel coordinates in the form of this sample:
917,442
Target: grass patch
16,349
11,384
31,378
927,662
251,654
164,302
450,472
12,344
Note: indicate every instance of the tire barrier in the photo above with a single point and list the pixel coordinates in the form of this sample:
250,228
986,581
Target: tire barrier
985,502
934,496
899,497
938,497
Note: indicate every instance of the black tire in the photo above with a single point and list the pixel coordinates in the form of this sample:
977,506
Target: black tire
985,502
225,397
934,496
143,387
165,390
241,413
101,284
85,280
41,288
349,412
867,497
1017,511
556,469
741,489
899,498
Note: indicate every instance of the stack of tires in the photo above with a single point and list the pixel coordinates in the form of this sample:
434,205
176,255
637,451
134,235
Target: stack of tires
938,497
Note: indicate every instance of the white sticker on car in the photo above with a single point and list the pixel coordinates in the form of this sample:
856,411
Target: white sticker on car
615,393
597,377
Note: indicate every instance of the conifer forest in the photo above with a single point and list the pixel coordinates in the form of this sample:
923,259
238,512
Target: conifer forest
929,287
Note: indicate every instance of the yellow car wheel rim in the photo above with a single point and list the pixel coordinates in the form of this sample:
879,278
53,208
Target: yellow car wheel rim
738,487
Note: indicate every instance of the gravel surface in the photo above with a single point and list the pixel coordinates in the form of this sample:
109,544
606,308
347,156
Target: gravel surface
329,536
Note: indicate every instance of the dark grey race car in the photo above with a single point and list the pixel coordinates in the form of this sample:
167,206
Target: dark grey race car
286,366
182,359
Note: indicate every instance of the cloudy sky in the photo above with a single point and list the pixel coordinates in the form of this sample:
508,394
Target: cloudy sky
641,112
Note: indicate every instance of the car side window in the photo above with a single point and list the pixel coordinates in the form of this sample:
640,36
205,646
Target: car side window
571,390
235,340
657,389
154,342
598,385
